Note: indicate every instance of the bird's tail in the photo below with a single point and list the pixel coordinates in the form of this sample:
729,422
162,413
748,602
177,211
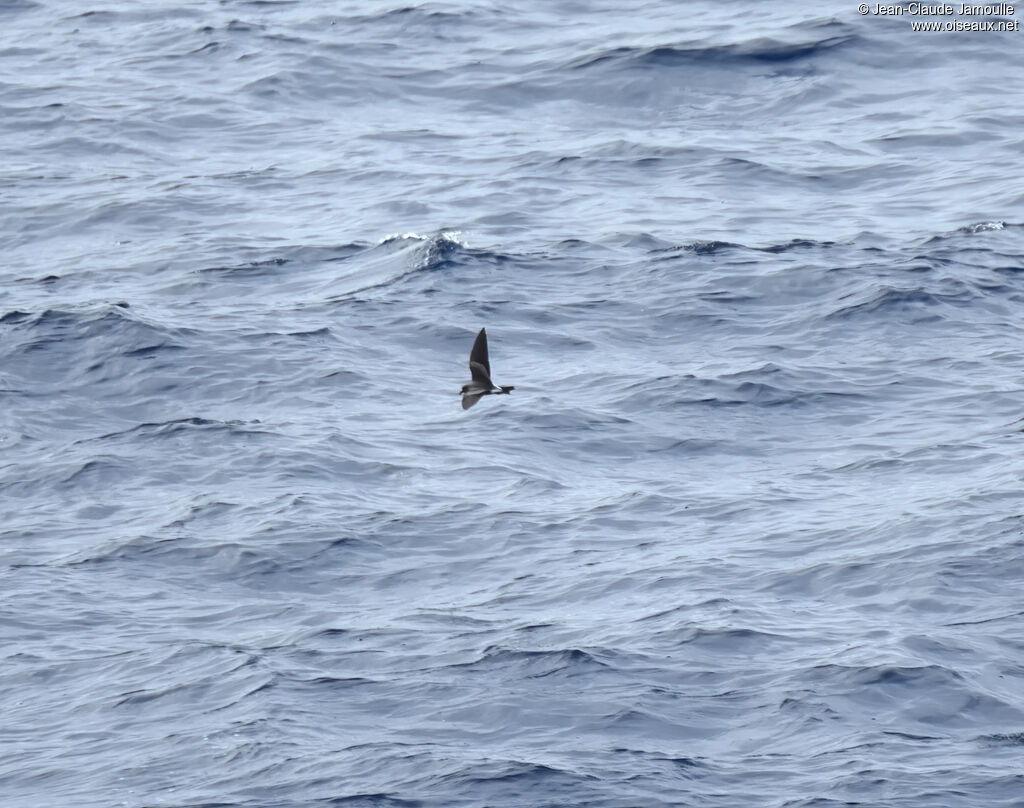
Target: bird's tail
506,390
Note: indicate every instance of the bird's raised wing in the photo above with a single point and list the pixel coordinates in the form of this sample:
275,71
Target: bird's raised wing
479,354
480,375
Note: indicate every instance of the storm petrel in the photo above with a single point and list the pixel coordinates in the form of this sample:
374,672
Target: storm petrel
480,367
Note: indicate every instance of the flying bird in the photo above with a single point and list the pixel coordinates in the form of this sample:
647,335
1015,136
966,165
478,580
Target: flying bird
481,384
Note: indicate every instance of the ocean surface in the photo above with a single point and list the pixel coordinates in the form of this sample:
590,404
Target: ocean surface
748,532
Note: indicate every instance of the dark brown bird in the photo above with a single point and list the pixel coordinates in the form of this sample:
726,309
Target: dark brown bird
481,384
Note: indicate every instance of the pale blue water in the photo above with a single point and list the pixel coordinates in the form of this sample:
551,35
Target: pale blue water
747,532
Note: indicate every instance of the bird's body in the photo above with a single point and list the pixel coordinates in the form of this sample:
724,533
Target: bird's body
480,366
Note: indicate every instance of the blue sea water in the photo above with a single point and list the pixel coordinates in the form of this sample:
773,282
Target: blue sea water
750,529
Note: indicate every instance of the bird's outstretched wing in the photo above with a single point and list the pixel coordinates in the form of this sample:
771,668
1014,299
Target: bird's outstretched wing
479,354
468,400
480,375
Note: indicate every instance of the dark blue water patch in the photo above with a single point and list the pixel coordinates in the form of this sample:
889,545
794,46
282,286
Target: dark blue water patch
14,7
514,782
743,253
419,21
733,641
380,800
695,248
926,696
353,268
517,663
797,244
914,304
68,329
767,386
995,246
182,425
265,268
1010,617
724,57
202,552
1004,739
419,13
97,17
100,472
150,351
616,160
56,352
